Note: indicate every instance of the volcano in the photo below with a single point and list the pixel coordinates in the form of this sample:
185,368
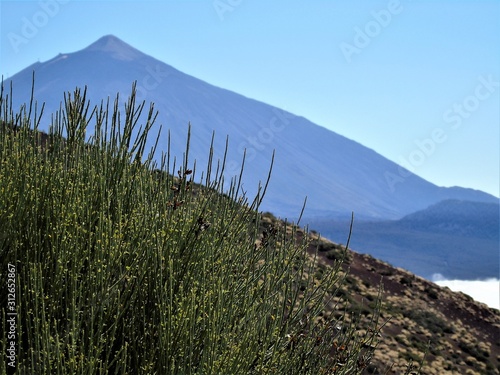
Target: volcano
337,175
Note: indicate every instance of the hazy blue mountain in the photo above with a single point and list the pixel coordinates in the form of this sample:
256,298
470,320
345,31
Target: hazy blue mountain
337,175
473,219
458,239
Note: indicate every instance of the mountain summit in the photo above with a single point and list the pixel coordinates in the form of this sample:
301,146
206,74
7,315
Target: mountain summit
336,174
114,47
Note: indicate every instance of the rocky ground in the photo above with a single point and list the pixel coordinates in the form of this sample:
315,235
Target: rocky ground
419,319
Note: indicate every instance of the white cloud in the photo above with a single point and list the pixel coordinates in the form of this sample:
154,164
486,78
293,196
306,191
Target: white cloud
486,291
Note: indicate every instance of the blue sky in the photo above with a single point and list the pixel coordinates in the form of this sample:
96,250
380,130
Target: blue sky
417,81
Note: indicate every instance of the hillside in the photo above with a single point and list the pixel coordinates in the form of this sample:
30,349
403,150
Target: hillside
459,335
457,239
117,266
125,268
338,175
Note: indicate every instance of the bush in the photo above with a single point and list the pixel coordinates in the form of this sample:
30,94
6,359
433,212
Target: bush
129,267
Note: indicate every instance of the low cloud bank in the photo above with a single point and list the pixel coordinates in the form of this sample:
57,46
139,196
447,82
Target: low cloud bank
486,291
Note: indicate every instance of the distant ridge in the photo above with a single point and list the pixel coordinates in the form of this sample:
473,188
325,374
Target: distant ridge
474,219
336,174
454,238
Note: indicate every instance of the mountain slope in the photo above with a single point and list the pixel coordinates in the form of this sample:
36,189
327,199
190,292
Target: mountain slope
337,175
458,239
460,335
457,334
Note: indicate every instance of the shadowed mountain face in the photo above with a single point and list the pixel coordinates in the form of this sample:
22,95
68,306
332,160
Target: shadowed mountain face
336,174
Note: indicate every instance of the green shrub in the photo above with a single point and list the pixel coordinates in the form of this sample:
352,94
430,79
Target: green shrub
125,266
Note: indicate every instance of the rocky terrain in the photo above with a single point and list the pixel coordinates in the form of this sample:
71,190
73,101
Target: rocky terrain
418,319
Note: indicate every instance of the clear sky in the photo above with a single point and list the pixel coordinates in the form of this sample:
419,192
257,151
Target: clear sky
417,81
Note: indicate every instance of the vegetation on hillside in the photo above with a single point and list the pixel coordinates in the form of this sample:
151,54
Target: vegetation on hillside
116,264
122,265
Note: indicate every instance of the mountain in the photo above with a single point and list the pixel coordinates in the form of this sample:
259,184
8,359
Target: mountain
472,219
338,175
457,239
